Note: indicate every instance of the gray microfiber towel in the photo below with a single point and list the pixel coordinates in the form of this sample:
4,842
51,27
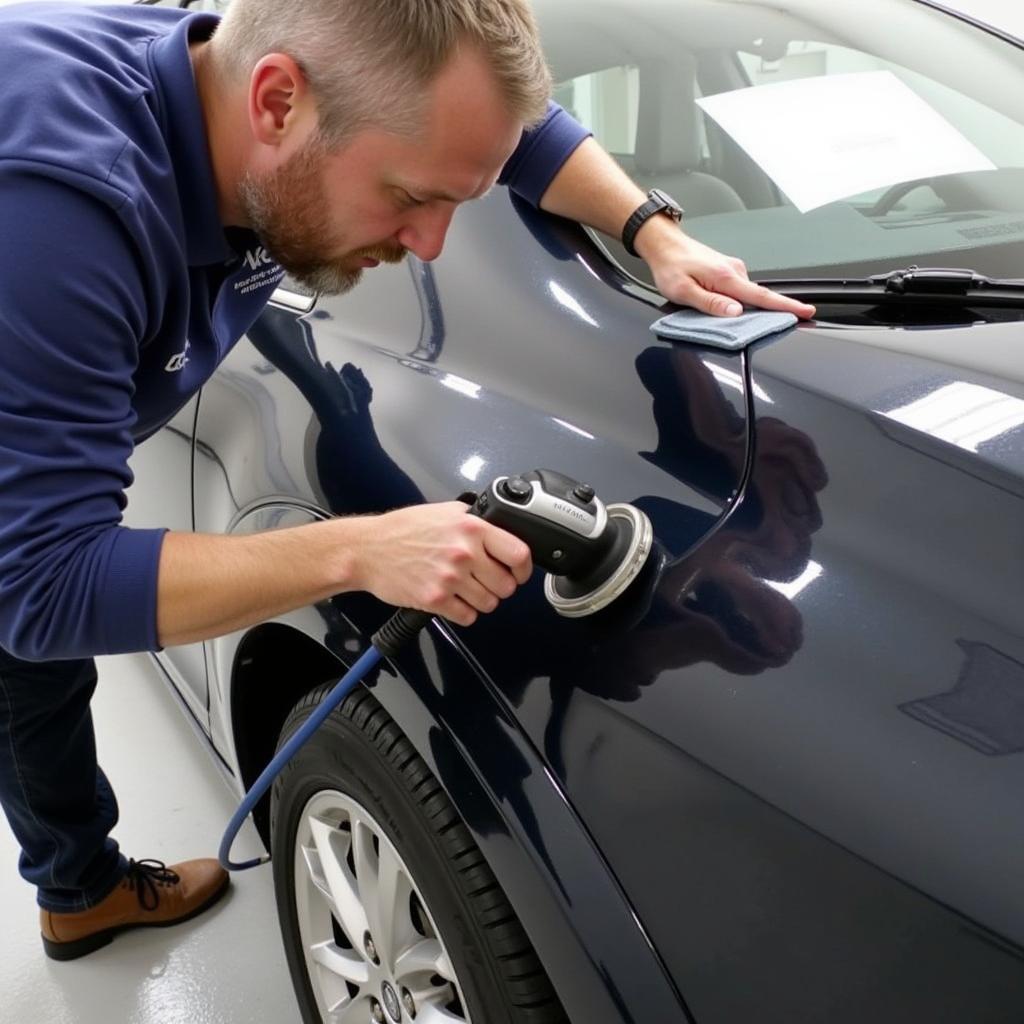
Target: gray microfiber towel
730,332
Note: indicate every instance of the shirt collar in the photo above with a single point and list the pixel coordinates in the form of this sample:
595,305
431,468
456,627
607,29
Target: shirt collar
181,117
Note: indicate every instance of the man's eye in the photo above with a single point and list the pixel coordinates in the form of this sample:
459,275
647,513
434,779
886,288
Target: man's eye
407,200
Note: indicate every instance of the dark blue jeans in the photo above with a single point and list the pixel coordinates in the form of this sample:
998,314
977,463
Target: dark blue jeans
55,795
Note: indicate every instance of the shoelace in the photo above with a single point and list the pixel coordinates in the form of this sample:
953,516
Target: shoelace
144,876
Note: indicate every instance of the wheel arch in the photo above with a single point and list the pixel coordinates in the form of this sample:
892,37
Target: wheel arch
274,666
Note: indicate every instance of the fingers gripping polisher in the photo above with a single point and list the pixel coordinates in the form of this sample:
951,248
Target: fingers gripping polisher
591,551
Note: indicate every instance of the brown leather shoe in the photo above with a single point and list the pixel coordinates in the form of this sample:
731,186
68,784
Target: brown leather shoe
150,895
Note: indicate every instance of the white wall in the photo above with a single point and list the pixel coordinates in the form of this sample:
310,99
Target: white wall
1004,14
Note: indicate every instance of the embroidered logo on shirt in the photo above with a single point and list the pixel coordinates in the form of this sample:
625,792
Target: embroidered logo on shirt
265,271
178,362
257,257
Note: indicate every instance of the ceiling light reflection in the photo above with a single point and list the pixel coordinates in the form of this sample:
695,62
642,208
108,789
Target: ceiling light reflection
733,379
793,587
966,415
470,469
571,303
460,384
574,429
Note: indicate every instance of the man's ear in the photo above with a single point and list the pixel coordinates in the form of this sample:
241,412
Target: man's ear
278,98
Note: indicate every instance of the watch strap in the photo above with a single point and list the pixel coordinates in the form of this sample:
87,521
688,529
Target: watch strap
655,204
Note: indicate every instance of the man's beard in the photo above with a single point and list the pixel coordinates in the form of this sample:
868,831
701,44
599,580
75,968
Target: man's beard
288,210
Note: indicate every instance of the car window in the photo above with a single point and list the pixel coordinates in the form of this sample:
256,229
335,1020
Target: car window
606,101
644,76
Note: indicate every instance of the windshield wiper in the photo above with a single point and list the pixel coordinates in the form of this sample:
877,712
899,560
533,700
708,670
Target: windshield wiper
943,284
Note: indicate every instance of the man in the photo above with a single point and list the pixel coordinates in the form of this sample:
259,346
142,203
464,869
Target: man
145,152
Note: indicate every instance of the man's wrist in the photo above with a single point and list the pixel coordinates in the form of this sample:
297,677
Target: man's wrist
658,235
344,537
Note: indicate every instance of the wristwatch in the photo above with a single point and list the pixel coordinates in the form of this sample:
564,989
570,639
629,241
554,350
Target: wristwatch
657,202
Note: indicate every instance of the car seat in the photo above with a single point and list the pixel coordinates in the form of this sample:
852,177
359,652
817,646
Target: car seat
669,140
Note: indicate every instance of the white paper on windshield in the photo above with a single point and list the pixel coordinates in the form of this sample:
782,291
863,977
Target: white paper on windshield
822,139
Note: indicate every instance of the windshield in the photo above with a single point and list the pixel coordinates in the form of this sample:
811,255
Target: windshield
808,138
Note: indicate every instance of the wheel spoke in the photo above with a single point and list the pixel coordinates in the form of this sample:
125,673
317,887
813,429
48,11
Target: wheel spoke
341,890
316,872
426,956
333,991
432,1014
379,878
347,965
356,1011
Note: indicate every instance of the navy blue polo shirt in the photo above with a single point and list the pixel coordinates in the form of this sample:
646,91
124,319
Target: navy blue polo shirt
120,292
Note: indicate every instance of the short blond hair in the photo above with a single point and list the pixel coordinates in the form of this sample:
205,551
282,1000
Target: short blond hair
368,61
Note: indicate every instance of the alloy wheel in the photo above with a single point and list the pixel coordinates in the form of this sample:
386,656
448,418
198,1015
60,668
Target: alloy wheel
373,952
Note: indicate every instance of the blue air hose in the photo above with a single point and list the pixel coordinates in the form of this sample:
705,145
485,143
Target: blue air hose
344,687
397,631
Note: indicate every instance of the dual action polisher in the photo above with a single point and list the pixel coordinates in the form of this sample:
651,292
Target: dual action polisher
591,551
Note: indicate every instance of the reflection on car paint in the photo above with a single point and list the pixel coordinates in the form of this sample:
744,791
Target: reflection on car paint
967,415
985,709
431,339
354,472
571,303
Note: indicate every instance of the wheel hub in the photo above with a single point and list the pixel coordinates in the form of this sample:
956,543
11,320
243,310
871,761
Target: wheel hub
391,1004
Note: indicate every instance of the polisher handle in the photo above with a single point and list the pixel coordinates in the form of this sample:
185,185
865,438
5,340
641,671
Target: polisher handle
407,622
562,520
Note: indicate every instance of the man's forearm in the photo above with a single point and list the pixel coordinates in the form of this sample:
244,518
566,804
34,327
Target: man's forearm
432,557
593,189
210,585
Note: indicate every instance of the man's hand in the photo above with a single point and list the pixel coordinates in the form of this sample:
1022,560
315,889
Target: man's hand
692,274
438,559
593,189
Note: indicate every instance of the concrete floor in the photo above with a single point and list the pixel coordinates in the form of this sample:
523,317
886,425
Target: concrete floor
226,966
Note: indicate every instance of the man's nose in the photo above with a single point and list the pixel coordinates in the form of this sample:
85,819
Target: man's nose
425,232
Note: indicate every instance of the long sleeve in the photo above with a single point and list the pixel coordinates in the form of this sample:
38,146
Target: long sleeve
73,311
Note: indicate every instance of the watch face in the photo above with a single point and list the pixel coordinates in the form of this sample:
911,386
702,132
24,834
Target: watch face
673,207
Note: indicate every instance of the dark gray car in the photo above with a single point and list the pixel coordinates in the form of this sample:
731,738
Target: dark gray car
784,781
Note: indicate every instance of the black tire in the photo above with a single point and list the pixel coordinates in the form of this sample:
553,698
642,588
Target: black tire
360,752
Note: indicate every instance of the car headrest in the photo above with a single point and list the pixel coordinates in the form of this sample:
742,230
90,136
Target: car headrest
668,130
